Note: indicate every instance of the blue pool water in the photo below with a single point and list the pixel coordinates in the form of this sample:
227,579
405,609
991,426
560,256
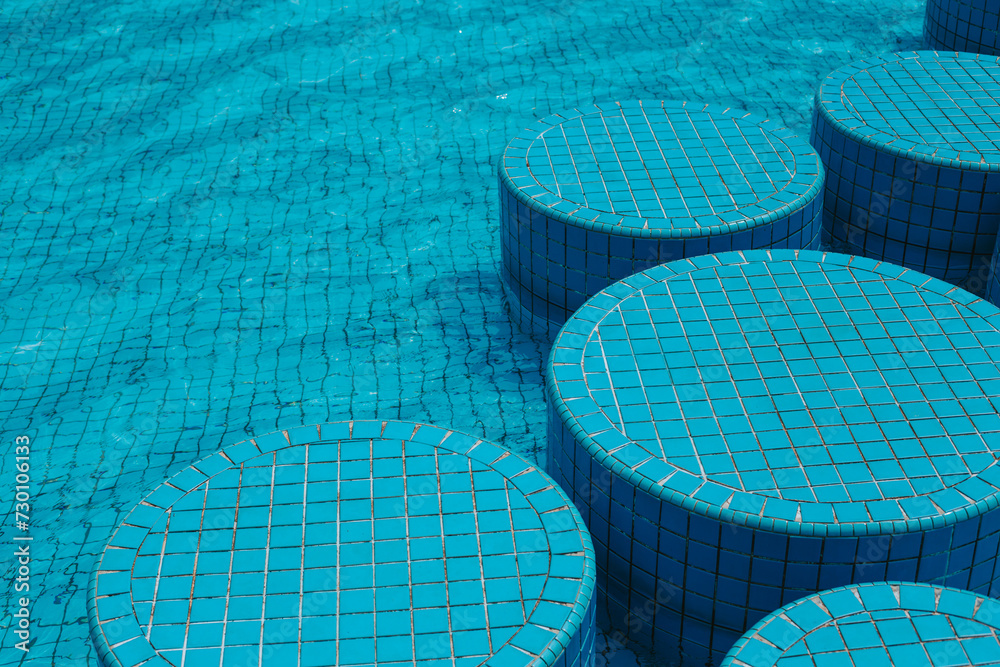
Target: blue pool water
224,218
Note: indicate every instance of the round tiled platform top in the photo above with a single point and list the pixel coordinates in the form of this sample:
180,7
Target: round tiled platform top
661,169
348,543
799,391
876,625
942,107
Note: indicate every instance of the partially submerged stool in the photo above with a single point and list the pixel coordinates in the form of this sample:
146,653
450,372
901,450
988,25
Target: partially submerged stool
349,543
743,429
963,25
911,143
592,195
877,625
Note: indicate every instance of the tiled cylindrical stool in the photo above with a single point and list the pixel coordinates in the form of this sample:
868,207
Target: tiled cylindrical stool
353,543
963,25
911,143
742,429
592,195
877,625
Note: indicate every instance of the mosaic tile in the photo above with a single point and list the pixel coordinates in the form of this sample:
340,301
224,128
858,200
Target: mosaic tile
591,195
744,429
963,25
223,218
878,625
911,144
427,544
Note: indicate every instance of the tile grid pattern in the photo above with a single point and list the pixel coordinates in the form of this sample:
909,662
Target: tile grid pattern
963,25
689,563
592,195
397,548
232,217
911,144
876,625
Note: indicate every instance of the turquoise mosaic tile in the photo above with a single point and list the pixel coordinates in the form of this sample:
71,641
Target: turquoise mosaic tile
356,543
911,143
591,195
876,625
744,429
223,218
963,25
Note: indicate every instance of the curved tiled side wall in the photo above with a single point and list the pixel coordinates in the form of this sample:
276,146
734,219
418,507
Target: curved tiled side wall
963,25
550,267
939,220
993,284
694,584
579,652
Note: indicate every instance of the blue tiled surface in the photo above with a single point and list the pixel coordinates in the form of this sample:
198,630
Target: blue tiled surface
352,543
742,429
882,624
220,219
911,143
591,195
963,25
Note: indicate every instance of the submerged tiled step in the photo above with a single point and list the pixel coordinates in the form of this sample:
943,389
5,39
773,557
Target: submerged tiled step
740,430
885,624
911,143
595,194
351,543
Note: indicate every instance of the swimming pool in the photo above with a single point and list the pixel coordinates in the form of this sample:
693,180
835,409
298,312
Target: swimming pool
224,218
